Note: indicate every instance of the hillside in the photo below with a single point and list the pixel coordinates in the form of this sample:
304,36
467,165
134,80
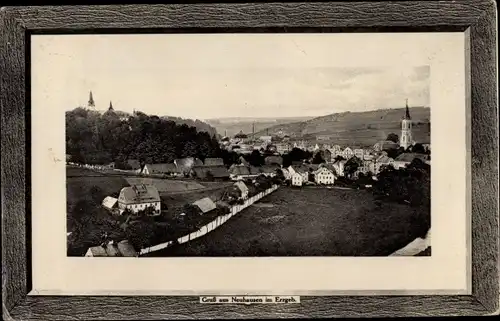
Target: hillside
232,126
358,128
198,124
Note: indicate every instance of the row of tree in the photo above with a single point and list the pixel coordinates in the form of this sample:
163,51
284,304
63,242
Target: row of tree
93,138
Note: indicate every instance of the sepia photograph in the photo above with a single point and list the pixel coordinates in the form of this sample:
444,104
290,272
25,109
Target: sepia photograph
219,160
172,153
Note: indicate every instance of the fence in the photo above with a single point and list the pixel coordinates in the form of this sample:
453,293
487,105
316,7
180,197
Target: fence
220,220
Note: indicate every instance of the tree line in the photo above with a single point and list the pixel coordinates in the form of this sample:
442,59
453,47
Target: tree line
95,138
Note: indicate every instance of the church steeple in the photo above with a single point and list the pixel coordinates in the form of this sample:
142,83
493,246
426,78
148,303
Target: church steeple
407,113
91,103
406,136
110,106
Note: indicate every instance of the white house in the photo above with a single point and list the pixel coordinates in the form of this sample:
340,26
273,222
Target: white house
286,173
324,176
359,152
339,167
304,173
265,139
243,188
139,197
347,153
297,179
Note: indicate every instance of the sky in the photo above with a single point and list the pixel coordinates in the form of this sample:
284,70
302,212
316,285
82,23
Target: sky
204,76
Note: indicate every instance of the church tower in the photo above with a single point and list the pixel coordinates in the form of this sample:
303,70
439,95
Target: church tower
91,104
406,139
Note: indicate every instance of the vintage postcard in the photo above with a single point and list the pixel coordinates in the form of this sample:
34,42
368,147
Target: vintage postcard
254,146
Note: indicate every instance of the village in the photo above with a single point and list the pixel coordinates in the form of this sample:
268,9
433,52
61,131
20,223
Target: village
257,167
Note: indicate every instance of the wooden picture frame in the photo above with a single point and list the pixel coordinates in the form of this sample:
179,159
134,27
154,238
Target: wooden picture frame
476,18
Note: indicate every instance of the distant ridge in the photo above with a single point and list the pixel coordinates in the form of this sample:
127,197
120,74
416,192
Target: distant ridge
357,128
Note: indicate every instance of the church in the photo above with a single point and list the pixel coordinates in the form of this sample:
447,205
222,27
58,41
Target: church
406,139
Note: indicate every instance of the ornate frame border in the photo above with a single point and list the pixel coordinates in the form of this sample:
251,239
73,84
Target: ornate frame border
476,18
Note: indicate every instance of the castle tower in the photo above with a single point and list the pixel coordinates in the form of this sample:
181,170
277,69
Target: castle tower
91,103
406,139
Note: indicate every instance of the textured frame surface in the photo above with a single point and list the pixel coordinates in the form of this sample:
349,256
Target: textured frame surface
476,18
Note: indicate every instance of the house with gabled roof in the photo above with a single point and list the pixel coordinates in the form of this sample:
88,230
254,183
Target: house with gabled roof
339,166
347,153
273,160
214,162
243,189
160,169
112,249
213,172
405,159
205,205
385,145
139,197
324,176
109,203
268,170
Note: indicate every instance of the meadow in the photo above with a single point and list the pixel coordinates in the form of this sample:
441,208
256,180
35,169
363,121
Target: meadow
310,222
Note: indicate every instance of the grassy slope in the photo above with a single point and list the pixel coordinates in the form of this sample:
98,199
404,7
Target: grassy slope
309,222
363,128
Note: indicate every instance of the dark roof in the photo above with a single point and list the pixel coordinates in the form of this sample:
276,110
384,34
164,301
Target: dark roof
214,162
278,160
239,170
216,171
134,163
199,172
254,170
139,194
162,168
243,161
268,169
407,111
387,144
408,157
123,248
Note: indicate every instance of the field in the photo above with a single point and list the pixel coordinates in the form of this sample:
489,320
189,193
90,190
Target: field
310,222
359,128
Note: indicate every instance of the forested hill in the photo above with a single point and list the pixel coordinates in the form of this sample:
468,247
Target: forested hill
358,128
95,138
198,124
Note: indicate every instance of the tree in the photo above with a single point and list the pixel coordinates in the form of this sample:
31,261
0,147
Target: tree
99,139
418,148
352,165
338,158
255,158
393,138
318,158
